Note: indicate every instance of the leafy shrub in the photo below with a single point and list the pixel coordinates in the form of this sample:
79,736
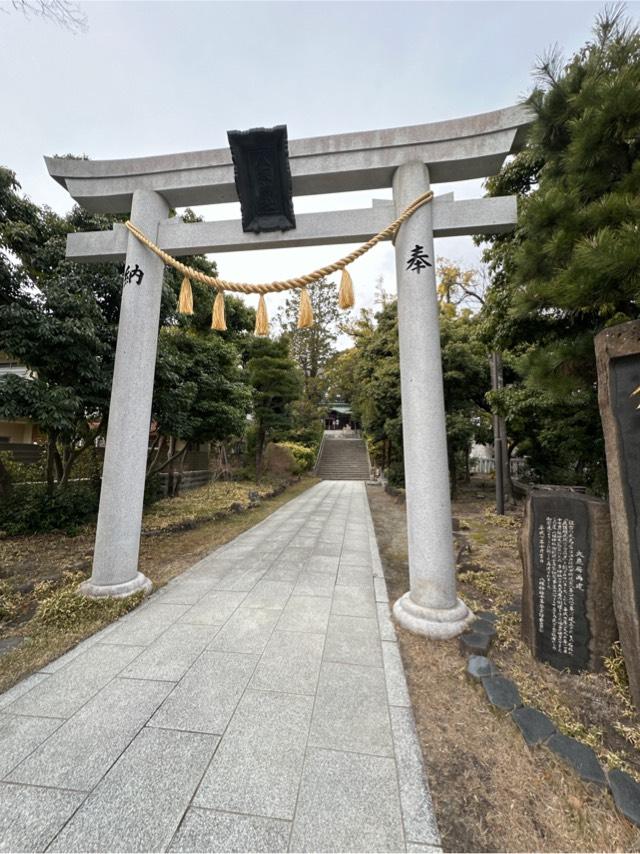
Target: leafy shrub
395,473
23,472
303,456
279,460
32,509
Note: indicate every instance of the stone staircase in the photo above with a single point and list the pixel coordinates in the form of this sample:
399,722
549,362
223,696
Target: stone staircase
343,459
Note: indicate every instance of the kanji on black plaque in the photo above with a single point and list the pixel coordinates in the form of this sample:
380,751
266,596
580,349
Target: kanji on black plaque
419,259
130,274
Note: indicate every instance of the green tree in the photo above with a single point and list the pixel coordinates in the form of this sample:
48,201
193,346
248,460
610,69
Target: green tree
240,317
199,396
377,400
312,347
572,265
59,320
276,383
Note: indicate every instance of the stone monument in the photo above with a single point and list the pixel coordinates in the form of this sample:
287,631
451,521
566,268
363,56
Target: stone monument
567,558
406,160
618,360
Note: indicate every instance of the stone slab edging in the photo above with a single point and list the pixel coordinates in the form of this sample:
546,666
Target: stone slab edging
539,730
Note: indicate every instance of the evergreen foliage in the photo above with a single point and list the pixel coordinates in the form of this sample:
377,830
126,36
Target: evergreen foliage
572,267
375,367
276,383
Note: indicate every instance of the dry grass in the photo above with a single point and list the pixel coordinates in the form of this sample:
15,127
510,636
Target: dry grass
490,792
39,574
204,504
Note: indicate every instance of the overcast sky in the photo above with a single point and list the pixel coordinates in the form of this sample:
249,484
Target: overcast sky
160,77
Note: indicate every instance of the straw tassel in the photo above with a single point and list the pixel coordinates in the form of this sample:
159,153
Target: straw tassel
346,298
262,319
305,314
185,301
217,315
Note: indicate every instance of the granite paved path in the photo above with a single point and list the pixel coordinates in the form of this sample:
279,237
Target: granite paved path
255,703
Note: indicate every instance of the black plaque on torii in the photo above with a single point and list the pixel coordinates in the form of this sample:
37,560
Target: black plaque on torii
263,178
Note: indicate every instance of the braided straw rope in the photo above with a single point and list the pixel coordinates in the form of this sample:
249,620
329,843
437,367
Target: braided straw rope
287,284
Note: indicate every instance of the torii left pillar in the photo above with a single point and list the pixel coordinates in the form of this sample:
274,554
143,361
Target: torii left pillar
115,561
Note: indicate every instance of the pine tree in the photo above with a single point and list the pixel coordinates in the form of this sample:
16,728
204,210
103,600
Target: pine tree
572,266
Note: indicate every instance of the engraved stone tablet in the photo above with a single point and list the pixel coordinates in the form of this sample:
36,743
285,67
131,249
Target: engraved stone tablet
618,359
567,609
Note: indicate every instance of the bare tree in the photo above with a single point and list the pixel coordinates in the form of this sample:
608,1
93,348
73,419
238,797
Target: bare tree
62,12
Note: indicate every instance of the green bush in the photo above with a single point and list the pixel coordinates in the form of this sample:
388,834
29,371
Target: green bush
304,457
395,473
23,472
32,509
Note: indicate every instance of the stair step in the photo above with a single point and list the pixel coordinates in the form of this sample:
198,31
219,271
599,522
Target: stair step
343,460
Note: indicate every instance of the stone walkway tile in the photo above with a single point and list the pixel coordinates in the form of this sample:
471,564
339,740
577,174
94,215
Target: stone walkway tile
282,573
207,695
304,543
328,549
248,631
417,809
257,767
82,750
322,563
347,803
298,557
21,688
211,568
66,691
206,830
77,650
290,663
215,607
142,626
241,581
170,656
422,848
184,591
314,584
358,577
287,561
380,588
385,625
20,735
357,557
394,674
354,602
247,650
351,710
269,594
30,817
139,804
353,640
305,614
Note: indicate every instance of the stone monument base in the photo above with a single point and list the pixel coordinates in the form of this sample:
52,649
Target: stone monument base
436,623
116,591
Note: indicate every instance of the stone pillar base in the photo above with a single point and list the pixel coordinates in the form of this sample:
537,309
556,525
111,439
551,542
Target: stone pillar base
436,623
116,591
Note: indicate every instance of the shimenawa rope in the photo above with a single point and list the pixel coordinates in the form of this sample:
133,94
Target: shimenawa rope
345,297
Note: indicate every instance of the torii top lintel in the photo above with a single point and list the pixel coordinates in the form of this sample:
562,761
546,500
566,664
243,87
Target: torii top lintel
455,150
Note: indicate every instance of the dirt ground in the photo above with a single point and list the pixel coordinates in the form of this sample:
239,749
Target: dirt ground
491,793
39,573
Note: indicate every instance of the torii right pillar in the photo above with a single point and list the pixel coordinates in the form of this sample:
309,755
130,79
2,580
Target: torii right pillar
431,607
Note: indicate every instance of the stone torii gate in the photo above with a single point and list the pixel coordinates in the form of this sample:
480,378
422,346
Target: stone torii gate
407,159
